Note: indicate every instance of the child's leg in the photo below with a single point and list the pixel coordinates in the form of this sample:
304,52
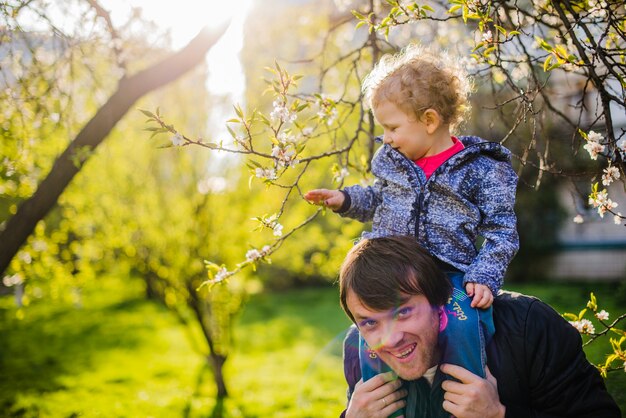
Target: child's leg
464,338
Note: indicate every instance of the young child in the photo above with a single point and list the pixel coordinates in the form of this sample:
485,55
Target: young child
443,190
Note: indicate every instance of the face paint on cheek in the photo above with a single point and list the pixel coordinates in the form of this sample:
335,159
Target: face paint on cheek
443,319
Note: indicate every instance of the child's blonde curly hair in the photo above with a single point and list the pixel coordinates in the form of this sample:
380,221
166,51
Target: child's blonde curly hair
419,78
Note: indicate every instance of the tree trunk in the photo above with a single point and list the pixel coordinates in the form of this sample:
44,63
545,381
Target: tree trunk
217,363
216,360
130,89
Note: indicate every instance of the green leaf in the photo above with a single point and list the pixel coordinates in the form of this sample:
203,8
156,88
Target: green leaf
358,15
454,8
546,63
147,113
570,317
238,111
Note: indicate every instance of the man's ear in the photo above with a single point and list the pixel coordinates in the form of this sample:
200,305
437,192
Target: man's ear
432,119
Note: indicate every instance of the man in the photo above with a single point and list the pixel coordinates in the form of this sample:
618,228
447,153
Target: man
394,292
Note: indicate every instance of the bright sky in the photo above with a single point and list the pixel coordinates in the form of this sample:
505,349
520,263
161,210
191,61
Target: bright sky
185,18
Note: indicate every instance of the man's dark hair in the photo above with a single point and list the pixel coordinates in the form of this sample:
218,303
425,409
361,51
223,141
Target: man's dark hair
384,272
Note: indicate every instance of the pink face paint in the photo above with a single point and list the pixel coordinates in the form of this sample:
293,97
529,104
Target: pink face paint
443,319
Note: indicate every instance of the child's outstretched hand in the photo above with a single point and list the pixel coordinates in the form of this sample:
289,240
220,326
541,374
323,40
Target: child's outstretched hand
481,295
332,199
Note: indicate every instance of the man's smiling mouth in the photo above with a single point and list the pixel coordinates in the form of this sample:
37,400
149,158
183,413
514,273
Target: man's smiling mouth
406,353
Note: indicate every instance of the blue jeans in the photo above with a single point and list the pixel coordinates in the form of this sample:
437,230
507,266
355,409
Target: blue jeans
463,340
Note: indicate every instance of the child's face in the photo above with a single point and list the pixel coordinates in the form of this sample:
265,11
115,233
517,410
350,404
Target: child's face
405,132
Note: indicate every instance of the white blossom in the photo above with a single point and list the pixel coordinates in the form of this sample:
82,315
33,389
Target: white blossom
601,201
221,275
584,326
621,145
610,174
597,9
487,36
307,131
285,156
328,112
13,280
578,219
593,145
265,173
253,254
281,112
602,315
342,174
278,229
286,138
594,136
177,140
617,219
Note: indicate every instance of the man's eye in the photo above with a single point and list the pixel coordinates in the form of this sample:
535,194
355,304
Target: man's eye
368,323
402,312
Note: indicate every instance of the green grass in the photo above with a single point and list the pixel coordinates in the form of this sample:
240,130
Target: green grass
119,355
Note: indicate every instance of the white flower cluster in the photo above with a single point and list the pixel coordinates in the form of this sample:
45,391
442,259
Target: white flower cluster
597,9
328,111
487,36
265,173
610,175
254,254
13,280
284,155
341,174
593,145
621,146
584,326
278,229
177,140
221,275
602,202
281,112
602,315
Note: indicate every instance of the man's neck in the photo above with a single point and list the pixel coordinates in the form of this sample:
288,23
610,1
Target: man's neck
429,375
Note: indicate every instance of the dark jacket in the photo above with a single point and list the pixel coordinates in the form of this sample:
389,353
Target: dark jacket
471,195
537,358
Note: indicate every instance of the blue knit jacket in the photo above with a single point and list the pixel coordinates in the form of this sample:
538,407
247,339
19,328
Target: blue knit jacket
469,196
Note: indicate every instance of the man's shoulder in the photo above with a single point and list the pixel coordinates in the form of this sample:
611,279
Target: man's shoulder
508,300
515,310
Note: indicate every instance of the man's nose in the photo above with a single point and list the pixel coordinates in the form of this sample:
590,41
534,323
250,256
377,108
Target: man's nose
393,336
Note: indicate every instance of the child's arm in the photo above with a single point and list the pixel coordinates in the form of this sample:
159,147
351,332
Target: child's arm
482,297
496,196
330,198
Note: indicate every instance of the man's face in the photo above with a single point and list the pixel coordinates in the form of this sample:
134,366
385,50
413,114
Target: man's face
405,338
